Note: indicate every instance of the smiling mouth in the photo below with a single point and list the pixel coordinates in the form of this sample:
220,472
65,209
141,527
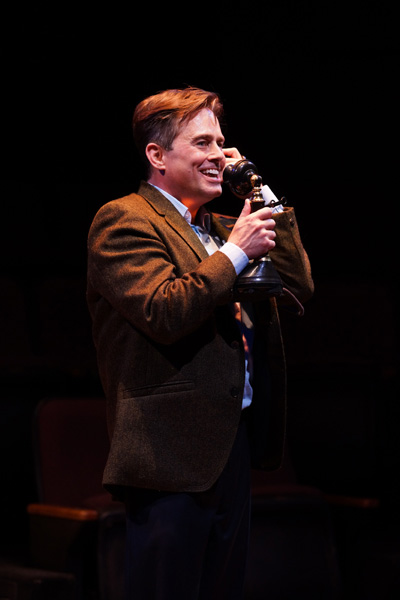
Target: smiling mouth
213,173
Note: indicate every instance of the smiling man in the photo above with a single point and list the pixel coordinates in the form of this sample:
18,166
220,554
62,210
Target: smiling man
195,393
192,169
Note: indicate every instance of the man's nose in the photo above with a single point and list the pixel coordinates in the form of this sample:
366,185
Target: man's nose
216,153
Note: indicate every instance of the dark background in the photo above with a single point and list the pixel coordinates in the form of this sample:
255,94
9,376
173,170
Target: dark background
311,97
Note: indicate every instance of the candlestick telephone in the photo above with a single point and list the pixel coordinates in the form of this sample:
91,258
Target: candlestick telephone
260,279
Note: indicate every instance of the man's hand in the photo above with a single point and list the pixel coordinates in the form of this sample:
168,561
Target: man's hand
232,155
254,232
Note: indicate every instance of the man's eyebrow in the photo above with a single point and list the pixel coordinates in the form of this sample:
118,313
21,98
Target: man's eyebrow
208,137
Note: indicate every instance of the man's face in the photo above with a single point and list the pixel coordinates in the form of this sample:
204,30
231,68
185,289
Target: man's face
193,167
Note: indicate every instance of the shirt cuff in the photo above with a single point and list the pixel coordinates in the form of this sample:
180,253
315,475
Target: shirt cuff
269,196
236,255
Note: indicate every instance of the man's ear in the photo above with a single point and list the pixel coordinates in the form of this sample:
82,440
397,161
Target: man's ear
155,156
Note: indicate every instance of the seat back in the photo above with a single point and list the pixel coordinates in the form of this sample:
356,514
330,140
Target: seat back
71,446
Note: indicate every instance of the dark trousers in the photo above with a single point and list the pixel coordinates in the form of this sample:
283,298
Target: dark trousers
191,546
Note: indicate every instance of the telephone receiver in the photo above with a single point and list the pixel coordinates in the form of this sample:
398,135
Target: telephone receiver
259,280
240,177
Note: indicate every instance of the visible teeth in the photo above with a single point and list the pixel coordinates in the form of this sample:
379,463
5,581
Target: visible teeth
211,172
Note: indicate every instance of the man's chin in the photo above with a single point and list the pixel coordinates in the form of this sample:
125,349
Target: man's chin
215,191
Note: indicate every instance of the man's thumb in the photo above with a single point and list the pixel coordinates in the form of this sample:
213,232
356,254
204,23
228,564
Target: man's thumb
246,210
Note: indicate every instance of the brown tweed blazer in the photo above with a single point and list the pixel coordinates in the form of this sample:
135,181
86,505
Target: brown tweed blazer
170,354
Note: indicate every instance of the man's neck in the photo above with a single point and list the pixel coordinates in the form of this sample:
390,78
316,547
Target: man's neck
192,205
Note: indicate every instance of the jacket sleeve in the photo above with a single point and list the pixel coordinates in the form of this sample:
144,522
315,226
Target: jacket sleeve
148,273
290,257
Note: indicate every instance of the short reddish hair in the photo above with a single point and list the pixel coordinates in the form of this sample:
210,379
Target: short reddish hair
158,118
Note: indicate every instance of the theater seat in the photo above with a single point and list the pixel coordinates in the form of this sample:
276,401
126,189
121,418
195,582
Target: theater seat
75,526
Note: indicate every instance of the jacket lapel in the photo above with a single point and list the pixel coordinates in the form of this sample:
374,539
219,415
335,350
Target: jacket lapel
221,228
165,209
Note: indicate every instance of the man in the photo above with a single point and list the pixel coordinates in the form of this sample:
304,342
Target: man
189,388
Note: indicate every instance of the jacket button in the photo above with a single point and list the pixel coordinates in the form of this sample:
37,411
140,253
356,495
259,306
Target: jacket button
234,392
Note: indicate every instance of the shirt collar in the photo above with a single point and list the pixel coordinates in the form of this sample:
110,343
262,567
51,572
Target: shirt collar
181,208
203,217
